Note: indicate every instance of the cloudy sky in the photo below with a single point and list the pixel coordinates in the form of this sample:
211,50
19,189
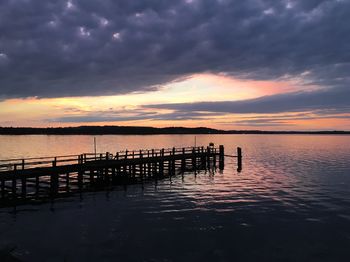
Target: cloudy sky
252,64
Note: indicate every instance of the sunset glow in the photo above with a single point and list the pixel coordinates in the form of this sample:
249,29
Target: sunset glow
102,110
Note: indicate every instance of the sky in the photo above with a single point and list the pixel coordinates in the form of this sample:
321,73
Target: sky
253,64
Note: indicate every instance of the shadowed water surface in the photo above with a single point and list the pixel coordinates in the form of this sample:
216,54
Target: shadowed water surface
291,202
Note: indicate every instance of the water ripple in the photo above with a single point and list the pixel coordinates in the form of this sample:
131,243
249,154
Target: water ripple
292,200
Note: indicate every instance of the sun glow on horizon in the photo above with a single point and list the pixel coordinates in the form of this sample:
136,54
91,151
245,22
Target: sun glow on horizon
128,109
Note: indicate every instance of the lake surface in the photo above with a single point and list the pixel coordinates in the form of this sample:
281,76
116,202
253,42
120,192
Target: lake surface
291,202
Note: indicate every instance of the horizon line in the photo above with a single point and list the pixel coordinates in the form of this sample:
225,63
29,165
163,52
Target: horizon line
87,129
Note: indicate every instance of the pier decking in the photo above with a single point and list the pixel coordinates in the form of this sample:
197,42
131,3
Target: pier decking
30,178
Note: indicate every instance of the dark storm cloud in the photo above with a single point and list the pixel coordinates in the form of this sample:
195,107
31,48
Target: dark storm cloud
85,47
334,99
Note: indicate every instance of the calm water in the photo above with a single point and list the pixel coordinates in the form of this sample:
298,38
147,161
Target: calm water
291,202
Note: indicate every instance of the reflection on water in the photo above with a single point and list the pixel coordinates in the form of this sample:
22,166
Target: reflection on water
291,202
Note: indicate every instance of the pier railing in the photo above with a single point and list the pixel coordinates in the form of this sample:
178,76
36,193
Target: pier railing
54,161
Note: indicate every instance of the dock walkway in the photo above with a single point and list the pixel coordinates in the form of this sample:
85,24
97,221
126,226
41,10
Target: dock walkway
31,178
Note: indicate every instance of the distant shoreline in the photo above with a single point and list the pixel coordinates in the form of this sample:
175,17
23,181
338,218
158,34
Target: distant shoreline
134,130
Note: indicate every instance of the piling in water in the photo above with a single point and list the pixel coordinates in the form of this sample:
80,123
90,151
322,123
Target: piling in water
239,159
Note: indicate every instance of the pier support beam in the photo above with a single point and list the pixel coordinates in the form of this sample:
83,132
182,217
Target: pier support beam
183,160
24,187
14,183
3,188
194,159
54,179
37,185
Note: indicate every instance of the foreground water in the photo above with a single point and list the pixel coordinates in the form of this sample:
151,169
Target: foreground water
291,202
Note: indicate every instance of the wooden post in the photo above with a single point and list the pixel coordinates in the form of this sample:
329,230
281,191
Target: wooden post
91,176
133,169
118,166
54,178
14,182
194,158
95,147
155,166
214,159
161,163
106,171
80,174
172,162
221,157
37,185
239,159
161,168
183,160
106,175
208,157
24,187
203,158
24,183
141,164
148,164
125,167
153,163
130,169
3,188
113,173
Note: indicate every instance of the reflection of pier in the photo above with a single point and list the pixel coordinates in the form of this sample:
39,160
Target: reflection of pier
32,178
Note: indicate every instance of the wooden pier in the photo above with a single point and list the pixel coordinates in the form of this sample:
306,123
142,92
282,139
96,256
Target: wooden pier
32,178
